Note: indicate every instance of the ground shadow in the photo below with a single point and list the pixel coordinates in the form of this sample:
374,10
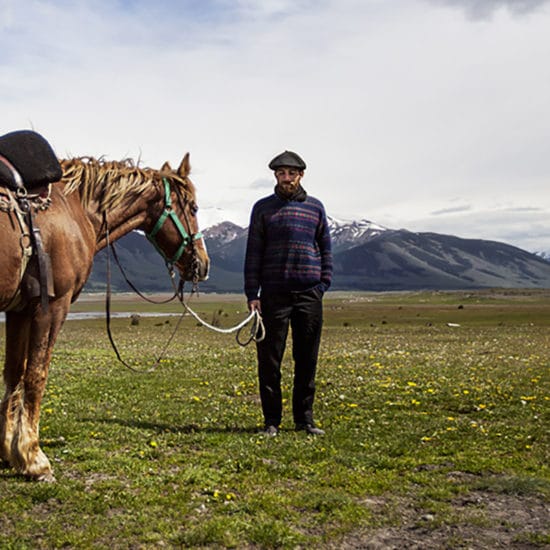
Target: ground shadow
170,428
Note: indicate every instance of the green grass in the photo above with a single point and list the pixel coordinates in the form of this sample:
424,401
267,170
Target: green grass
415,411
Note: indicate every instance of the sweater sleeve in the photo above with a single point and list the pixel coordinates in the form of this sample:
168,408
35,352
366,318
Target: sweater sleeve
325,248
254,256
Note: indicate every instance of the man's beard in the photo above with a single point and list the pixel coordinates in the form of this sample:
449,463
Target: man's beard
295,192
288,189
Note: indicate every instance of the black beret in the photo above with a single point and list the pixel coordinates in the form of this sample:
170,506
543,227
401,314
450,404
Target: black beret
288,159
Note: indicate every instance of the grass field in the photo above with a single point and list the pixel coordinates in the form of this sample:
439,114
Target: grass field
436,408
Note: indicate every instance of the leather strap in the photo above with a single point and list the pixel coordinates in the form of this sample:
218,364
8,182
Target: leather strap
44,272
16,175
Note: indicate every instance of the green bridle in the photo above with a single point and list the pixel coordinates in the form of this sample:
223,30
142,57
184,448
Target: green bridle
168,212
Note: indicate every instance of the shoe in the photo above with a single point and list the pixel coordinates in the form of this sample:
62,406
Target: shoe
271,431
311,429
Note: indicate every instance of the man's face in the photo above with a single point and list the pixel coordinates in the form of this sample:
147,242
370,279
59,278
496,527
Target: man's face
288,178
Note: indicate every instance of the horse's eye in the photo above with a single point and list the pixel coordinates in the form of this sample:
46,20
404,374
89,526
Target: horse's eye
194,209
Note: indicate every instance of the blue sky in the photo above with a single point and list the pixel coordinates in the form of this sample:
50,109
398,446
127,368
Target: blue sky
430,115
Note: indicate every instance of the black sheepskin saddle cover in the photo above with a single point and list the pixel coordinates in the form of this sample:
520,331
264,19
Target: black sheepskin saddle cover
32,156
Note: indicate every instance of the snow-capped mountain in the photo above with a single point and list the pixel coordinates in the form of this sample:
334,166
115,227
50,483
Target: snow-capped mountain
346,234
224,232
370,256
367,256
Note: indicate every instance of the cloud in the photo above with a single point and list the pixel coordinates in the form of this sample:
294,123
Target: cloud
452,210
525,227
485,9
263,183
527,209
397,107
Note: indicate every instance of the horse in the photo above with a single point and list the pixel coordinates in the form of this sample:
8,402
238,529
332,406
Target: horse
95,203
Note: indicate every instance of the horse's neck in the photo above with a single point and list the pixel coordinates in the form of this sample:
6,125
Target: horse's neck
119,221
117,197
117,229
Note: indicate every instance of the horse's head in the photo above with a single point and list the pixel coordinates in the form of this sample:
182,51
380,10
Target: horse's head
174,227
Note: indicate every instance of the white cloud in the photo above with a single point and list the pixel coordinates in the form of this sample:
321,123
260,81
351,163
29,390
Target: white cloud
452,210
486,8
400,109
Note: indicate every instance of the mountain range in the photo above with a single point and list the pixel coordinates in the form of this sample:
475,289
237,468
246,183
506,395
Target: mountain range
367,256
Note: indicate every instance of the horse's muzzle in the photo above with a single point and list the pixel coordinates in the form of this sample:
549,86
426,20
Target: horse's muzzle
195,268
203,269
203,266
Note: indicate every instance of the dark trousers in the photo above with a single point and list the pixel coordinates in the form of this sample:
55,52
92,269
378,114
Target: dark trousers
303,311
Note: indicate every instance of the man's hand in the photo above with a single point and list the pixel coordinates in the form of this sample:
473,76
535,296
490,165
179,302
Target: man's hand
255,305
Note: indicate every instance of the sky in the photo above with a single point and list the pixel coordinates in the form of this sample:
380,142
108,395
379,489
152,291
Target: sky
427,115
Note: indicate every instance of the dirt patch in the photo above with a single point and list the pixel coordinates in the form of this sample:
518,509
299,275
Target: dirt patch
480,520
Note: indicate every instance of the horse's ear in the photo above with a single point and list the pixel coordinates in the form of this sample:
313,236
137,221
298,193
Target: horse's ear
166,167
185,167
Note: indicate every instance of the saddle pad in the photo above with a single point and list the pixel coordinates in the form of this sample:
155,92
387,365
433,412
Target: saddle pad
32,156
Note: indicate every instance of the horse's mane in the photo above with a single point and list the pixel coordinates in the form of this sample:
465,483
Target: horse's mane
111,182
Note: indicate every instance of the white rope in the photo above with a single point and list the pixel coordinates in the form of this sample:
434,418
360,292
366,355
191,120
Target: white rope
257,330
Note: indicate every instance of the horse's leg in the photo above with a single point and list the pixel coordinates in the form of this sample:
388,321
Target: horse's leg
26,455
17,338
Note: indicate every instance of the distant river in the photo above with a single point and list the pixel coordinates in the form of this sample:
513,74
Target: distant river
101,314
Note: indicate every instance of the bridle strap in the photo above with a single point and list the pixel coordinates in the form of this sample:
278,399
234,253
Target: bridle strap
168,213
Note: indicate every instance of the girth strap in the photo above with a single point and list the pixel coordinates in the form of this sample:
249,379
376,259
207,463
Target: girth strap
43,259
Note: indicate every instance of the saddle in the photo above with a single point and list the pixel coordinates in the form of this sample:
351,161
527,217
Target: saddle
31,156
27,163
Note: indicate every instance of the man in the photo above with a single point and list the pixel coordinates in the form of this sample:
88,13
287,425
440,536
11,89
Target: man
288,267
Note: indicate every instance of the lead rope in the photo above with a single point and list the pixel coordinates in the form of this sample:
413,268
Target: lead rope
257,328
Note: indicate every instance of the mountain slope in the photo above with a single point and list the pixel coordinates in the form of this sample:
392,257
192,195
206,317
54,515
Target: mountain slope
142,264
366,257
346,235
405,260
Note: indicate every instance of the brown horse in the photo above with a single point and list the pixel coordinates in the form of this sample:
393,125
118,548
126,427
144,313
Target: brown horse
96,202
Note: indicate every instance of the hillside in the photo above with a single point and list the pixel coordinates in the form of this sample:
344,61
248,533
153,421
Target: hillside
366,257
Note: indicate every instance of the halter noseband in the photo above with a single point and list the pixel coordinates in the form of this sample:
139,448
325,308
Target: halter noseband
168,212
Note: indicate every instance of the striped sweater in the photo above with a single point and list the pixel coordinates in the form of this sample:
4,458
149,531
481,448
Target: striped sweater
288,247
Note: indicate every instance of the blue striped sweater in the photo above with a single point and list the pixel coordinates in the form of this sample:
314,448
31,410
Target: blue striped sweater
288,247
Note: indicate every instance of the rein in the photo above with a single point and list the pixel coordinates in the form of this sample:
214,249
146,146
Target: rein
257,330
108,314
187,240
131,285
